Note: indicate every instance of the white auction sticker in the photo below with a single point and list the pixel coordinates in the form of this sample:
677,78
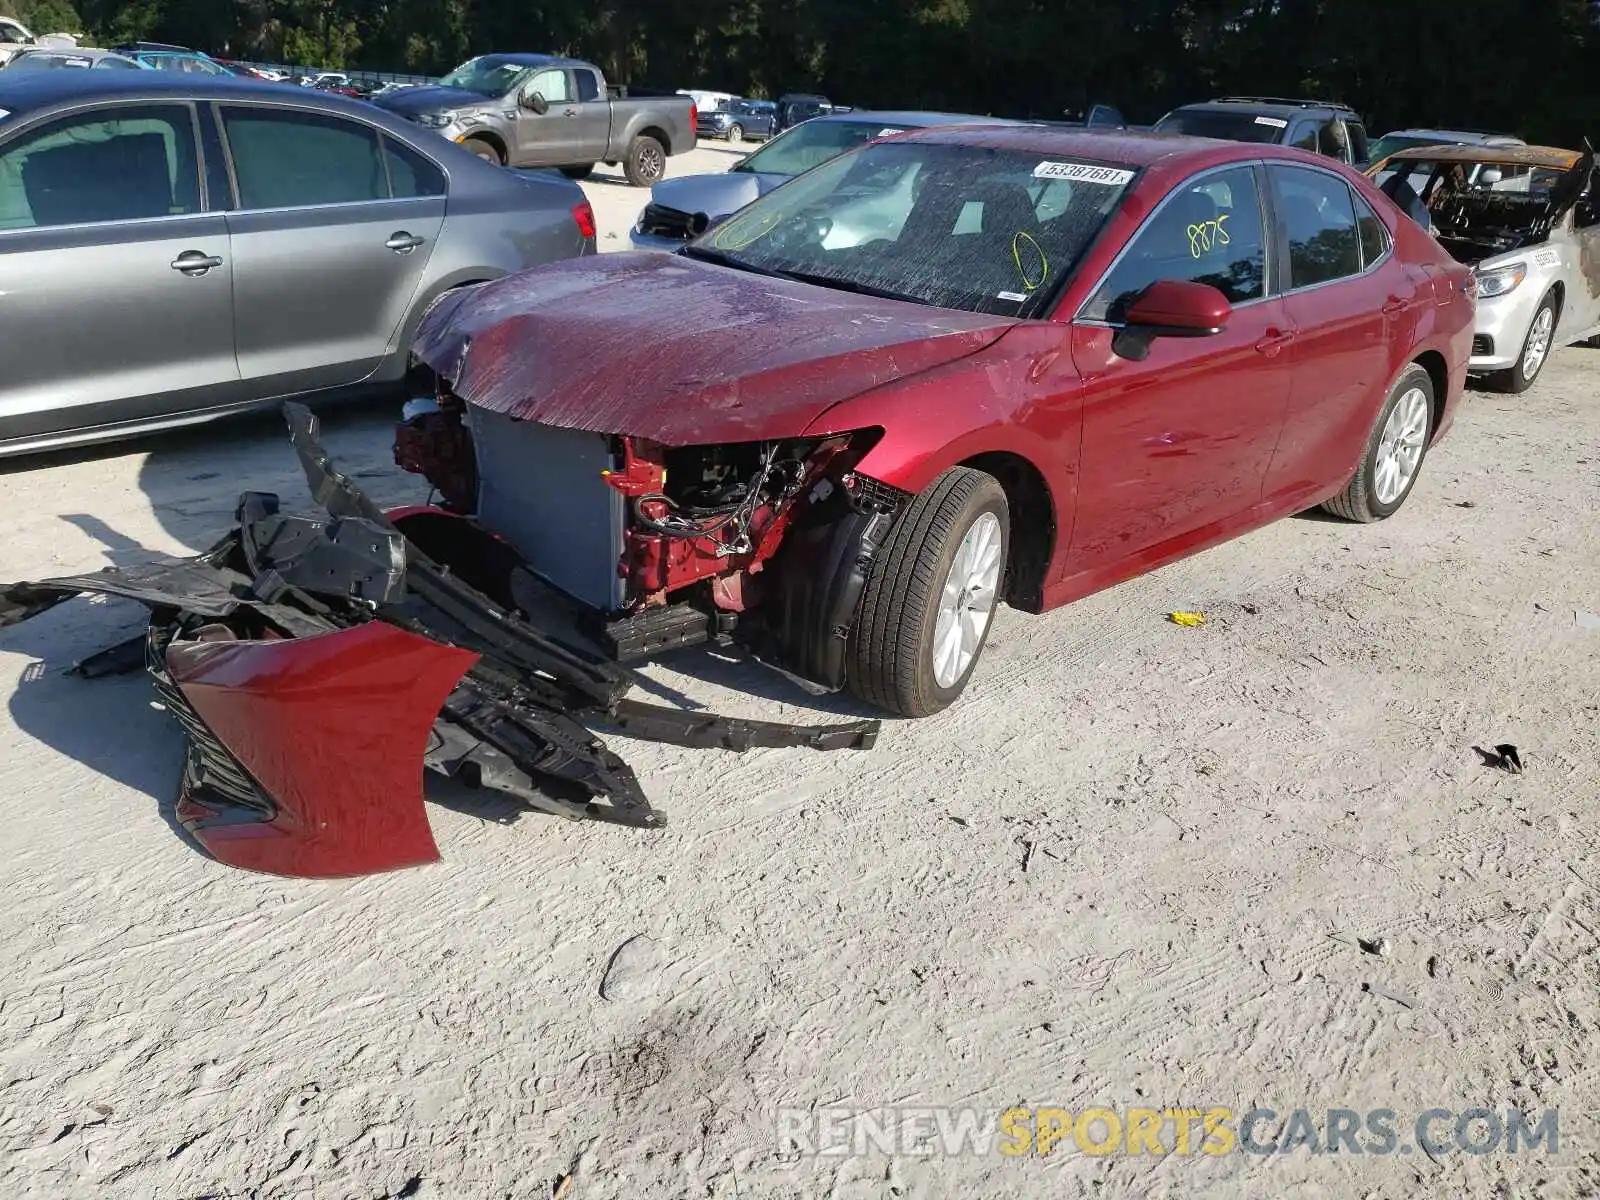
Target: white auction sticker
1547,258
4,113
1082,173
889,132
1275,122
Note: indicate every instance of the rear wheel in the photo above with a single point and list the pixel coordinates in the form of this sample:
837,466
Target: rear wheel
1536,349
578,172
931,596
1394,454
485,150
736,133
646,162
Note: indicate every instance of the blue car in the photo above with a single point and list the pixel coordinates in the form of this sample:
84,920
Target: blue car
739,121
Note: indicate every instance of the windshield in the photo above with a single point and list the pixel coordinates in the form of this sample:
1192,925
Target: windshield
814,143
1228,126
991,231
487,76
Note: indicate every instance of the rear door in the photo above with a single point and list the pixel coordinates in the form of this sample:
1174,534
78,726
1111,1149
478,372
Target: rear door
550,138
1353,305
591,122
116,298
333,231
1181,440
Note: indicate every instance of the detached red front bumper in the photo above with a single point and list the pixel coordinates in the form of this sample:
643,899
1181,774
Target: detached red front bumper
332,731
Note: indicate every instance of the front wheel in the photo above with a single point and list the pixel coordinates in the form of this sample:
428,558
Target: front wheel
484,150
646,162
931,596
1535,350
736,133
1394,453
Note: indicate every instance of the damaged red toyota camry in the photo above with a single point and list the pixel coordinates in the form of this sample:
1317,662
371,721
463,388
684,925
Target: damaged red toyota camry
949,369
955,367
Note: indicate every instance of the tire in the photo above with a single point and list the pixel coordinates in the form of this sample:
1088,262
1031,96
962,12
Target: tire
735,133
1541,330
892,652
578,172
484,150
646,161
1400,434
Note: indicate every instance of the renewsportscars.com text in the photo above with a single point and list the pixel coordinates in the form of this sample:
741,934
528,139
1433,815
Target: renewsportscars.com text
1019,1132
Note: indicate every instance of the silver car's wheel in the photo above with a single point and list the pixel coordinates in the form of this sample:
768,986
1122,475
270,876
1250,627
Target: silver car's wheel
1539,335
1536,348
1400,446
966,603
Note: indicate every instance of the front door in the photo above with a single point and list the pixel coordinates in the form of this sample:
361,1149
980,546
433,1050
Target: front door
333,232
1179,443
116,287
550,138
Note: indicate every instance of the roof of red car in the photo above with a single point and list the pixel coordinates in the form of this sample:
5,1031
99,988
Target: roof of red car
1099,145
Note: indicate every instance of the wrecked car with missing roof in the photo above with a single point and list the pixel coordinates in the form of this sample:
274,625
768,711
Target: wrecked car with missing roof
1527,219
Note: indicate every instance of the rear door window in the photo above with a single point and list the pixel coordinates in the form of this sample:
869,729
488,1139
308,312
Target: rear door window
1209,231
1318,221
284,158
588,86
125,164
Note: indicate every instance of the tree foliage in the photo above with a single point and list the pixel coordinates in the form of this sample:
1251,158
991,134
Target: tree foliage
1519,65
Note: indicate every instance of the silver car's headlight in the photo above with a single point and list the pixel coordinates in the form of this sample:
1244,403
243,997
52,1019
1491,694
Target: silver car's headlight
435,120
1501,280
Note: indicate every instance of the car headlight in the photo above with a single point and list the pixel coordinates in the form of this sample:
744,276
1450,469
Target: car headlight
1501,280
436,120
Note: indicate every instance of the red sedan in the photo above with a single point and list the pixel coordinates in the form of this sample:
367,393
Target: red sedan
954,367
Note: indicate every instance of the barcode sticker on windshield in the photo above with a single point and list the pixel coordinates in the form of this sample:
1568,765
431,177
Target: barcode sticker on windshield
1016,297
1275,122
4,113
889,132
1082,173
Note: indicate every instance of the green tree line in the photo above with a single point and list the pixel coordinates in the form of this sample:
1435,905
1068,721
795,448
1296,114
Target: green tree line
1523,66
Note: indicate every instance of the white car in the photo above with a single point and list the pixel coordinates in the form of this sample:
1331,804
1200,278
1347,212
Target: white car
1527,218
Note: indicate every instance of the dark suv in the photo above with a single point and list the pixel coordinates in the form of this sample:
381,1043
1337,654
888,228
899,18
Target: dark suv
1323,127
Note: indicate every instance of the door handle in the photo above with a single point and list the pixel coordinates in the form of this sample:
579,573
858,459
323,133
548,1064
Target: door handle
569,112
195,262
1274,341
403,242
1394,304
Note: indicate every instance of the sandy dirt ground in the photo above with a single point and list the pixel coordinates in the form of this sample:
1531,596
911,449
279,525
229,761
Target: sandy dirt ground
1134,867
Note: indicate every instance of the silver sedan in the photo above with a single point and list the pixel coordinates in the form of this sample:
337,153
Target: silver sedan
1527,218
177,248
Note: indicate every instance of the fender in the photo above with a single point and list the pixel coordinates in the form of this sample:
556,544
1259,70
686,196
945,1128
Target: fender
1024,387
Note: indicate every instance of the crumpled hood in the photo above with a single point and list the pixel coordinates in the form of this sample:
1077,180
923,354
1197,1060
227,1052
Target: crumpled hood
714,195
662,347
409,102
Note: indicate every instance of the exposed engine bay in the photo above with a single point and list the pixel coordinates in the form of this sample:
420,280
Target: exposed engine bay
669,546
318,661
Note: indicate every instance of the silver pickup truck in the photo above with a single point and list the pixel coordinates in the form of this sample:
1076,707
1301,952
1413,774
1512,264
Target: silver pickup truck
533,110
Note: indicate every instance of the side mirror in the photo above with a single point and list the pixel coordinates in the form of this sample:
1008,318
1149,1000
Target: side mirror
534,102
1490,176
1179,308
1170,308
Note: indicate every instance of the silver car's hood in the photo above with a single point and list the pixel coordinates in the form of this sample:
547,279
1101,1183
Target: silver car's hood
714,195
